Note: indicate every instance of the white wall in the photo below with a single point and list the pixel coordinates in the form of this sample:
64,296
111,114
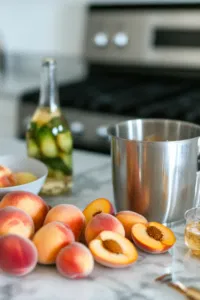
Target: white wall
41,26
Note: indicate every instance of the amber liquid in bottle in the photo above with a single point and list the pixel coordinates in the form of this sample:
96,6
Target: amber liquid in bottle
49,138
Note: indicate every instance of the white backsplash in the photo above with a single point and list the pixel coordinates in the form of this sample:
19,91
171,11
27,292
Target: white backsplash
43,26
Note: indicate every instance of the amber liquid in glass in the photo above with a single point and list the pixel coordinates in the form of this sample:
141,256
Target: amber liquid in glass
192,237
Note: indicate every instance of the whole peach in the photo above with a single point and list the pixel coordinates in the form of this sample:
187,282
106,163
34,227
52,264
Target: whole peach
50,239
32,204
100,223
75,261
18,255
16,221
68,214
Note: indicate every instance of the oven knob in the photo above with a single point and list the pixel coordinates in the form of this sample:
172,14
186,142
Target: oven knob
101,132
121,39
101,39
77,128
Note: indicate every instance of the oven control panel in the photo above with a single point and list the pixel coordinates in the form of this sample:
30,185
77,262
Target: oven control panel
159,37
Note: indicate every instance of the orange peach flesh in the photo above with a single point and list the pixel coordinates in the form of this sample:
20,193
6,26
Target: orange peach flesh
75,261
50,239
97,206
68,214
113,250
32,204
100,223
16,221
128,219
164,237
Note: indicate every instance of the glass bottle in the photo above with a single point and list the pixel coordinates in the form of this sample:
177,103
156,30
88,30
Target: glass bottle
48,137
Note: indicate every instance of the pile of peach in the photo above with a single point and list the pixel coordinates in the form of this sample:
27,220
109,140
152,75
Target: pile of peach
31,232
9,178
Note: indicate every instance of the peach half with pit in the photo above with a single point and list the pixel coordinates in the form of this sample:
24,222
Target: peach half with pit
50,239
18,255
75,261
32,204
128,219
113,250
16,221
102,222
68,214
153,237
97,206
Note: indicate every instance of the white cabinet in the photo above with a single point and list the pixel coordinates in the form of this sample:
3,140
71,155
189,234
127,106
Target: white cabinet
8,116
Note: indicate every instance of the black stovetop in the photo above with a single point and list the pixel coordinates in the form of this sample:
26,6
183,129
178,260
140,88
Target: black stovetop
137,96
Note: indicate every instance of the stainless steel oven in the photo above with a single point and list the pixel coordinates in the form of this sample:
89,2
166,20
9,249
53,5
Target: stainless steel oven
143,61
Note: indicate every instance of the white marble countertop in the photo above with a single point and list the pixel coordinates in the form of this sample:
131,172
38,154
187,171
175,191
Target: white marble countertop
93,179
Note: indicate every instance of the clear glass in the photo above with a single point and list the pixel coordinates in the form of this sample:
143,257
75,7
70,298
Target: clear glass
48,137
192,230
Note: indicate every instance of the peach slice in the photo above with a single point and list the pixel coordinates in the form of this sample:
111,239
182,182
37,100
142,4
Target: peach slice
128,219
96,207
68,214
153,237
113,250
18,255
24,177
100,223
16,221
32,204
75,261
50,239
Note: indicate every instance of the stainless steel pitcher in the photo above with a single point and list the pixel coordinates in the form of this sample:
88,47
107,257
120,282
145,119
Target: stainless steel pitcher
154,167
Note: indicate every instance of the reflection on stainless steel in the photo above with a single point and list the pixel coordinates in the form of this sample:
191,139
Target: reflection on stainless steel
155,178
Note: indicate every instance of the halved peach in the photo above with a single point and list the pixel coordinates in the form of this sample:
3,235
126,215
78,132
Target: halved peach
153,237
96,207
128,219
113,250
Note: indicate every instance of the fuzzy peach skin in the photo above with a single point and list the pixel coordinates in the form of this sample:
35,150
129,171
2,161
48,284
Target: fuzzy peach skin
150,244
4,171
97,206
75,261
18,255
16,221
102,222
113,250
50,239
5,182
5,177
128,219
68,214
32,204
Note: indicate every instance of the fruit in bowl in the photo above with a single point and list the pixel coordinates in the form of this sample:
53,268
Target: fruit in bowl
10,178
21,174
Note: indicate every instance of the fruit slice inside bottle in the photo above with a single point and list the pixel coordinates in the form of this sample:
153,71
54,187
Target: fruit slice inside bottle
49,140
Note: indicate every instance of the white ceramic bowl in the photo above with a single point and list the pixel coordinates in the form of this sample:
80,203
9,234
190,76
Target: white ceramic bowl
24,164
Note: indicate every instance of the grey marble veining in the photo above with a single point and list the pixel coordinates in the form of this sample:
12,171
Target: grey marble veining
93,179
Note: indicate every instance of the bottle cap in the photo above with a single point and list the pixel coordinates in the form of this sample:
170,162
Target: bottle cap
48,61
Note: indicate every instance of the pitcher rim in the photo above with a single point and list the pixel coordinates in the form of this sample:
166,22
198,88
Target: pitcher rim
112,126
